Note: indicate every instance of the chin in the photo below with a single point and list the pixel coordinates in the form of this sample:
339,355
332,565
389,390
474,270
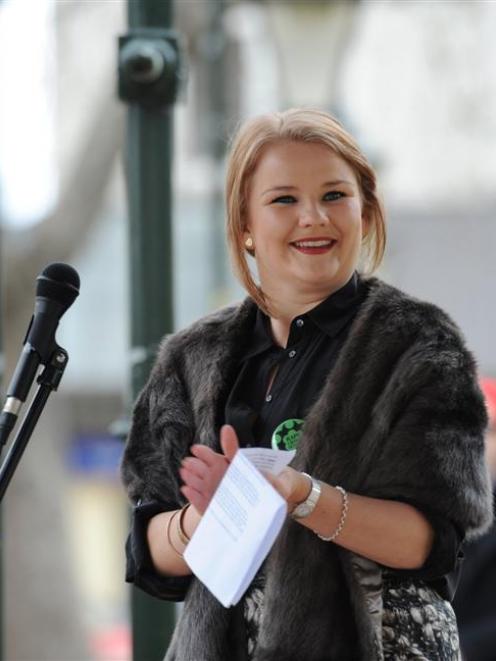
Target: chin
327,280
321,287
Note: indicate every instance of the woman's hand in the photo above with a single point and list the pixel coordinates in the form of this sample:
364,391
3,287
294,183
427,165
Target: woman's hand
203,472
292,485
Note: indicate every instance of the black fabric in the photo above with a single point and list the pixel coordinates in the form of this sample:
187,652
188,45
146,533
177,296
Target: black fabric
302,366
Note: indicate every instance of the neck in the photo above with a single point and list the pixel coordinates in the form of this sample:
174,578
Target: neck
283,313
286,304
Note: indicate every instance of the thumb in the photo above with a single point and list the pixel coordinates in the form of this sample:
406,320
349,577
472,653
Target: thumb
229,441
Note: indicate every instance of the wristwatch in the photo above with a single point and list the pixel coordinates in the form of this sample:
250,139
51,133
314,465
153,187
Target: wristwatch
305,508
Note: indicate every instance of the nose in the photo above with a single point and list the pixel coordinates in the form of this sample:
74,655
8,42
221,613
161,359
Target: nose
313,214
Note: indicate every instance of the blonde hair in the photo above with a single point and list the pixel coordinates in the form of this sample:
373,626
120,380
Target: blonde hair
297,125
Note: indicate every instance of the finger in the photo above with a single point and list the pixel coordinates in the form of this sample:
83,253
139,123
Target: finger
192,480
229,441
195,498
205,454
269,477
278,482
195,465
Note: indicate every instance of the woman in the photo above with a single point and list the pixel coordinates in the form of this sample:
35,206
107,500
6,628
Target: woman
389,474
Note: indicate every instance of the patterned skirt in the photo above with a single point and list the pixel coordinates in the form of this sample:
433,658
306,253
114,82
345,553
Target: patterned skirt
417,625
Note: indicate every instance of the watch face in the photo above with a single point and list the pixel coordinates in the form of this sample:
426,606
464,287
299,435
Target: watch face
302,510
307,506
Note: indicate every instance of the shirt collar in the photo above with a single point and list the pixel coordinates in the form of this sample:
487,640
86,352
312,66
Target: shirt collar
330,316
261,338
333,313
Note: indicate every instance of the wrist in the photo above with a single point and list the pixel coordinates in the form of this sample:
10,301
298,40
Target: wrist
191,520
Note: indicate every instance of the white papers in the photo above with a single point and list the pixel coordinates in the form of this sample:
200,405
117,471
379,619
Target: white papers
269,461
239,526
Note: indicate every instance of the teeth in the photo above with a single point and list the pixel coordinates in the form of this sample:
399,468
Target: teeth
312,244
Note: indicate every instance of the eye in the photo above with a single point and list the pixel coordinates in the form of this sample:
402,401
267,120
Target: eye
333,195
284,199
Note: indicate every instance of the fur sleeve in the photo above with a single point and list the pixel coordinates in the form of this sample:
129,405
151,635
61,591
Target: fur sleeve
432,418
162,430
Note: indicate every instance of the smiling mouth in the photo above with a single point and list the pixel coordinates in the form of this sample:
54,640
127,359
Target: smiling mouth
314,246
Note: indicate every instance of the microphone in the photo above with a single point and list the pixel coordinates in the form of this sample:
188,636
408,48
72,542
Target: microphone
57,287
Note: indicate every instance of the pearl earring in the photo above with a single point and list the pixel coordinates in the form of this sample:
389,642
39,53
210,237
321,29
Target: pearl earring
249,243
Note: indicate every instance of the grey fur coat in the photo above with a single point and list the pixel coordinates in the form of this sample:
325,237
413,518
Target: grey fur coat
400,416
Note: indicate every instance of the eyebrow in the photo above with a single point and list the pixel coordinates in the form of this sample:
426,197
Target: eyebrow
336,182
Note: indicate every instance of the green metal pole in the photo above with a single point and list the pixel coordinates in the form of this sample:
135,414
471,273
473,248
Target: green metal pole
149,156
215,135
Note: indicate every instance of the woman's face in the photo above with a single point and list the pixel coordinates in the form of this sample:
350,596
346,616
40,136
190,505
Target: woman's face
305,220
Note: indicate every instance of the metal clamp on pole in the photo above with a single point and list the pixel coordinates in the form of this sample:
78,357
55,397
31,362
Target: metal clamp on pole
48,381
151,68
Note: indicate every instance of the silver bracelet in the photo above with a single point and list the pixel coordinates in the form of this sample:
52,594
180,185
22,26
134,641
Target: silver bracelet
344,513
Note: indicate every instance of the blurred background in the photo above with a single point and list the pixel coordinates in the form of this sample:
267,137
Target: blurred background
411,80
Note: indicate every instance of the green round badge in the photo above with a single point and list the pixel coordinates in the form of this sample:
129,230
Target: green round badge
287,434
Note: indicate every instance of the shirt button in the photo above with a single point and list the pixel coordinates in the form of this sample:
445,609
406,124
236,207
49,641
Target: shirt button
268,398
292,353
300,323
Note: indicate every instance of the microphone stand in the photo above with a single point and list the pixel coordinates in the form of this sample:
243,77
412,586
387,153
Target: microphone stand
48,381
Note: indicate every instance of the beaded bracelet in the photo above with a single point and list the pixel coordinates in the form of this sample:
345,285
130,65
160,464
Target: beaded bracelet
344,513
169,539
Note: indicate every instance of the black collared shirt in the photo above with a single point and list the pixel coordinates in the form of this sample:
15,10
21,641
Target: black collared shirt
276,383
